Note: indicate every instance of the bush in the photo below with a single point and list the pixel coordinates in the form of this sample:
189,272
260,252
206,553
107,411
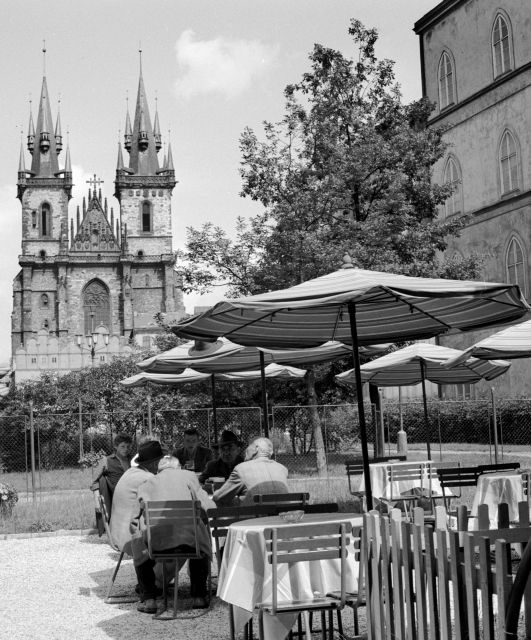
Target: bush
8,499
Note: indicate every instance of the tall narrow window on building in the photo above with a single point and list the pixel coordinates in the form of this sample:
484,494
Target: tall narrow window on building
501,46
146,217
452,177
96,307
446,81
516,264
508,163
46,222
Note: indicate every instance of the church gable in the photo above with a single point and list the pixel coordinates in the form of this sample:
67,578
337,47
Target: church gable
95,232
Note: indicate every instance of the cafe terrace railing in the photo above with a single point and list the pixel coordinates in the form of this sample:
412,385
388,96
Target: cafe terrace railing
426,582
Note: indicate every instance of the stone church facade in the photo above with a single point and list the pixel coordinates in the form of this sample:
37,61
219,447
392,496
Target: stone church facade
90,285
476,68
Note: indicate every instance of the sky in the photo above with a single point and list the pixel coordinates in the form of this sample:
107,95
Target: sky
212,67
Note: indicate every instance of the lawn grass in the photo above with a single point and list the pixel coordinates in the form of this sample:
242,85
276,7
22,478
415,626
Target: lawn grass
65,501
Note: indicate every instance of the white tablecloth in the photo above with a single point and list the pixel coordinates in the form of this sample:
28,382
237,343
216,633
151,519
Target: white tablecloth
381,487
245,575
494,488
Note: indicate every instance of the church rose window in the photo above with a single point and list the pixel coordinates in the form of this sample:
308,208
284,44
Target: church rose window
96,307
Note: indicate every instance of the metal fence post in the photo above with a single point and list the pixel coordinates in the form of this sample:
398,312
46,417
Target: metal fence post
495,423
150,427
32,448
80,409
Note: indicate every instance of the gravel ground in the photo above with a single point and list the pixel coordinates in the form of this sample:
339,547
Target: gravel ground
53,588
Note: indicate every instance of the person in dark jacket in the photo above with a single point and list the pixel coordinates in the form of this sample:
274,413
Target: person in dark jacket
230,448
192,455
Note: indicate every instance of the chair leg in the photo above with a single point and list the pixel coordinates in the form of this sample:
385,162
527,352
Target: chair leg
339,623
323,625
261,635
175,589
231,623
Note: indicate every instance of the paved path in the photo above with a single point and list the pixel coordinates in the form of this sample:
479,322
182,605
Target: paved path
53,588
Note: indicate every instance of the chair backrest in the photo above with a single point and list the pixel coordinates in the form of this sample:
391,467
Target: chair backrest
396,458
455,477
277,498
354,466
494,468
419,474
166,515
220,519
321,507
307,543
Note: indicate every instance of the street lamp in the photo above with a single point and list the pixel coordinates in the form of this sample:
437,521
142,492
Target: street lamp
92,342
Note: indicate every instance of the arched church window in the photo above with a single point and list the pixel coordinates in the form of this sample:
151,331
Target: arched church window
516,264
46,220
96,307
446,81
147,222
501,45
45,301
509,163
452,178
34,219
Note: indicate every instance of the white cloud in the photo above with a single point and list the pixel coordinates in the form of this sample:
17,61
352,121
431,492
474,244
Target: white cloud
219,65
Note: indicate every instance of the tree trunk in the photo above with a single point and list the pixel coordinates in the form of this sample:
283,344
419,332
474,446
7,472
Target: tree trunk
320,452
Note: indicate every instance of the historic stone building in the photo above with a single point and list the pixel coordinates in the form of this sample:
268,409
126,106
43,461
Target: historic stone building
89,285
476,68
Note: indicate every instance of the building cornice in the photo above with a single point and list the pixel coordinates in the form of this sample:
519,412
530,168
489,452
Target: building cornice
499,208
436,14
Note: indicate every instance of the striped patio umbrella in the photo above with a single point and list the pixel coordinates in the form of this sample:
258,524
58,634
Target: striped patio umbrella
281,372
420,362
511,343
358,307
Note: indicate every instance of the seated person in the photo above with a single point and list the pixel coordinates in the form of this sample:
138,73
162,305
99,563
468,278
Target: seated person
108,472
174,483
192,455
257,475
229,447
125,505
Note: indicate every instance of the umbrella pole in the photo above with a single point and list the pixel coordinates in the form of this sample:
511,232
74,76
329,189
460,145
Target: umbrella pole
264,394
426,419
495,423
361,408
214,407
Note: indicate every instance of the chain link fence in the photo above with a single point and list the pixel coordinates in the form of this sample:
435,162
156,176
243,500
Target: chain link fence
307,439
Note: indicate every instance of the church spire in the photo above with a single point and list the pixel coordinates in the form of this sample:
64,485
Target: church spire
143,150
120,161
21,163
156,131
31,133
58,134
128,133
169,159
44,162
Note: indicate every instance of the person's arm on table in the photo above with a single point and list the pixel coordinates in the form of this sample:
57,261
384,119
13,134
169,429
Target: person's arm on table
232,488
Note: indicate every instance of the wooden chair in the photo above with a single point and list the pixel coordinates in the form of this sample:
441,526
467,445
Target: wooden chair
119,598
287,499
452,479
305,543
526,487
167,514
354,467
496,468
420,474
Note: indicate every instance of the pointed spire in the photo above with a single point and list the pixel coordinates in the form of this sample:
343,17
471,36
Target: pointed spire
58,134
128,133
143,154
156,129
44,162
112,219
120,161
21,163
71,231
169,159
84,205
31,133
77,219
68,164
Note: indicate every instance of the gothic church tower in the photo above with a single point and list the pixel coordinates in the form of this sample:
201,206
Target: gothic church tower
87,290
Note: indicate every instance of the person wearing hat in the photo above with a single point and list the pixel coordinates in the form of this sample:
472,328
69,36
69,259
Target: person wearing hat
229,447
125,499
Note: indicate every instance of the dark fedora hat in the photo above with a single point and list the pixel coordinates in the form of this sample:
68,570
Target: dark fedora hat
149,452
228,437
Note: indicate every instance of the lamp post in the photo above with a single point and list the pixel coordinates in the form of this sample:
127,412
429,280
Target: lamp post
92,342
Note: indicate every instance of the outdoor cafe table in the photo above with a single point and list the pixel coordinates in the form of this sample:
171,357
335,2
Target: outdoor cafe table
494,488
380,482
245,575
